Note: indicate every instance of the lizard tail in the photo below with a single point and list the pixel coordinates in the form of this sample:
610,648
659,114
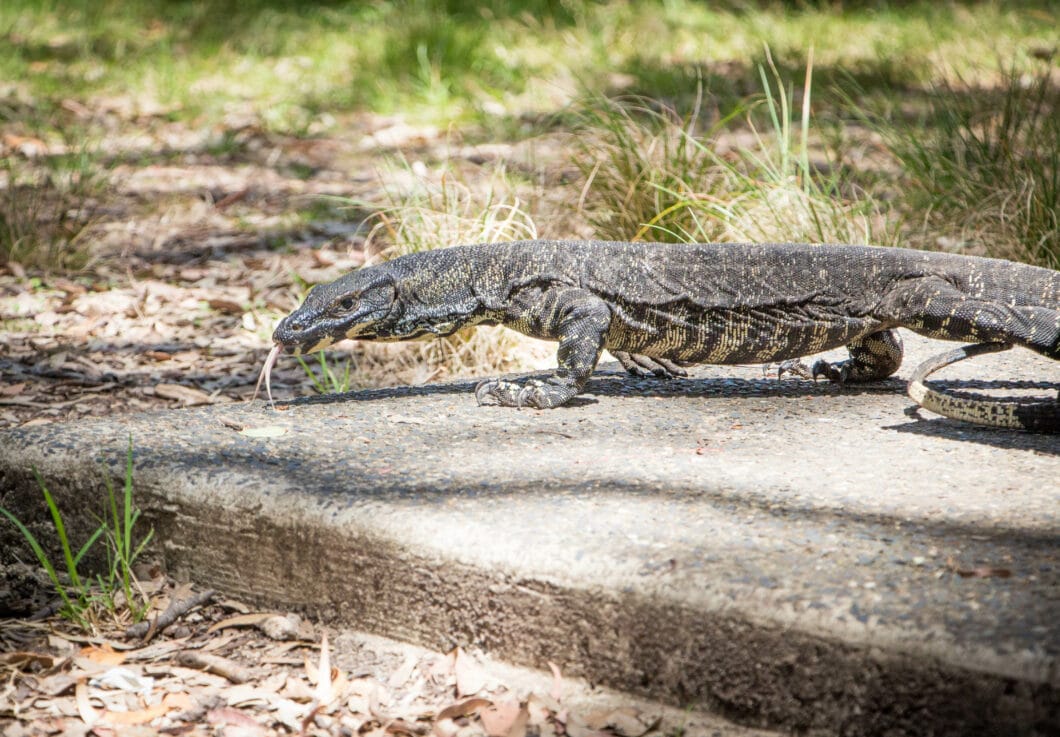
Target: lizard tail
1033,416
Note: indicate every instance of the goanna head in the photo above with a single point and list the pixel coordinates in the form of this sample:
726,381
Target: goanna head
362,305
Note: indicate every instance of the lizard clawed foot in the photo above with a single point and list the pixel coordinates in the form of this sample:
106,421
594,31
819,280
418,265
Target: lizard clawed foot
837,373
534,393
644,366
793,366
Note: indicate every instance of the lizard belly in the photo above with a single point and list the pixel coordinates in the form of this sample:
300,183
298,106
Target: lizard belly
734,336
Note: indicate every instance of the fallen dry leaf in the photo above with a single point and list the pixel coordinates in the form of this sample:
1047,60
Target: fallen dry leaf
102,654
241,620
225,305
89,714
22,659
505,719
228,716
224,667
985,572
170,702
186,394
296,689
470,678
401,676
463,708
324,692
557,682
978,571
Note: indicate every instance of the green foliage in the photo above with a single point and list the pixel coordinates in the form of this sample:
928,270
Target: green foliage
83,596
76,595
447,60
122,550
329,380
642,166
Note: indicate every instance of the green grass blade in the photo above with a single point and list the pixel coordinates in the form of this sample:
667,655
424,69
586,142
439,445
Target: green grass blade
42,557
60,529
88,544
317,383
126,543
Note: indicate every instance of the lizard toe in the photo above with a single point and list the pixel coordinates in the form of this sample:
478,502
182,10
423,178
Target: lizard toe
644,366
837,373
795,367
483,390
505,393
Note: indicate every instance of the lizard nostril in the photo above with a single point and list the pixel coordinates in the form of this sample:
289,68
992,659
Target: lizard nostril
296,326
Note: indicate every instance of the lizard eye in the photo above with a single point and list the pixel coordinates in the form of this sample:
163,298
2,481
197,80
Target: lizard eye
347,303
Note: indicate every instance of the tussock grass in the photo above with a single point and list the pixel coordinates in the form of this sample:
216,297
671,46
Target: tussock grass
649,174
437,211
983,164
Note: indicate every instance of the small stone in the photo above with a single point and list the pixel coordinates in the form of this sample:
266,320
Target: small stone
281,627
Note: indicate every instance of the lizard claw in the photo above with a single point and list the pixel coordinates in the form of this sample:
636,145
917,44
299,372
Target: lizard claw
837,373
484,389
795,367
503,393
534,393
530,395
644,366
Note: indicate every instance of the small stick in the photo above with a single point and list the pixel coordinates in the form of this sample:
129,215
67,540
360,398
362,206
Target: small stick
215,664
172,613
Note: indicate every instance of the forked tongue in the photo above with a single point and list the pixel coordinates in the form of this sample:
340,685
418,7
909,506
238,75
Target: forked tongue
266,374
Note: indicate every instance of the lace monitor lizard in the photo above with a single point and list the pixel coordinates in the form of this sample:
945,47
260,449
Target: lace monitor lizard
661,307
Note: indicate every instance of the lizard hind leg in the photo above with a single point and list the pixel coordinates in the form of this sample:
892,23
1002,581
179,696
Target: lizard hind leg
872,358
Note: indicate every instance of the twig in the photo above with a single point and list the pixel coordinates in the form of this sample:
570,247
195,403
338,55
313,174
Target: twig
215,664
175,611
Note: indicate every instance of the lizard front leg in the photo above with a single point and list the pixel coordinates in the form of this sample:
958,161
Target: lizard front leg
580,320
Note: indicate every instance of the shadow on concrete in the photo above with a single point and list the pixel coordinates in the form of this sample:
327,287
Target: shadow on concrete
942,427
619,385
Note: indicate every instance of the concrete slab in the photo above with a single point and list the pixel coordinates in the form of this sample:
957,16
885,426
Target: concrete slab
783,554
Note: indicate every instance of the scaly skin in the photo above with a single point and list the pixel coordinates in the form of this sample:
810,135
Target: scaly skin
660,307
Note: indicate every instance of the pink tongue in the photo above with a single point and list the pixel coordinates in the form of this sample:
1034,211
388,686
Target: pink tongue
266,373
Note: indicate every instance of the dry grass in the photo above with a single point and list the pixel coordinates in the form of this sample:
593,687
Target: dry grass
650,175
46,206
983,166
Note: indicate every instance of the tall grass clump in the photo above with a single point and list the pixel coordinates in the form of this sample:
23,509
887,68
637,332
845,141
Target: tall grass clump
752,176
984,164
432,211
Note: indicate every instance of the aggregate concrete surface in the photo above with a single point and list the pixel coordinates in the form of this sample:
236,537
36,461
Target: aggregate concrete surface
783,554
